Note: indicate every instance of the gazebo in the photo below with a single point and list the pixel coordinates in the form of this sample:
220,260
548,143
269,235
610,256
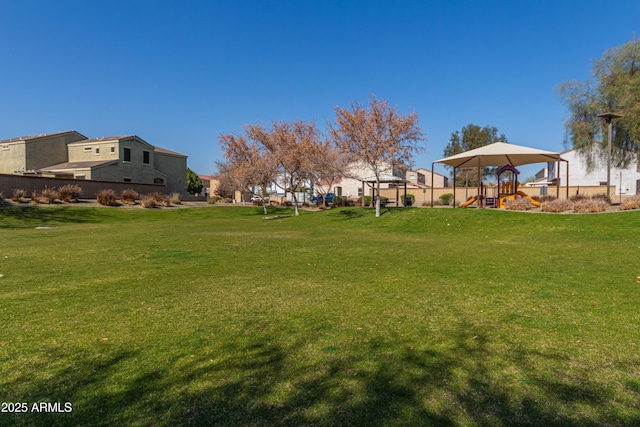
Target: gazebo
385,179
499,154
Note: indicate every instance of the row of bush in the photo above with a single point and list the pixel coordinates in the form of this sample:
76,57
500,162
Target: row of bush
578,203
630,204
108,197
67,193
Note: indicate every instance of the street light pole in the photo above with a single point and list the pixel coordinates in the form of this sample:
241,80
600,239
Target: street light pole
608,118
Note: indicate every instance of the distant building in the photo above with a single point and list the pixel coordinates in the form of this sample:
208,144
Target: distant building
625,181
422,178
351,185
73,155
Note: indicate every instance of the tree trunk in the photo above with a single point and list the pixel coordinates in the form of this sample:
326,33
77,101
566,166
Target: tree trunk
295,204
377,199
264,207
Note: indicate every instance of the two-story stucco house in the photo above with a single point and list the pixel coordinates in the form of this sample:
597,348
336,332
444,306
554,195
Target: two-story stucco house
28,154
73,155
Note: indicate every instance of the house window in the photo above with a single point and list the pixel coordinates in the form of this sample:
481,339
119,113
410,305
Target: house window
80,176
127,155
127,179
158,181
359,191
145,157
338,191
5,147
87,149
113,149
97,150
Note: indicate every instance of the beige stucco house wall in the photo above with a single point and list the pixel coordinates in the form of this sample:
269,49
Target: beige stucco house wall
174,166
422,177
30,153
123,159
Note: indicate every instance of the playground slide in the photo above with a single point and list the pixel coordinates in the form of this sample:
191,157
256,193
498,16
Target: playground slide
532,201
468,202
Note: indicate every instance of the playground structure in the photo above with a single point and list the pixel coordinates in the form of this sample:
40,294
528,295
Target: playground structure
500,153
505,189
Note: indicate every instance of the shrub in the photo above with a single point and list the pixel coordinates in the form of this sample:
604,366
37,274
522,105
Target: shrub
546,198
175,198
70,192
629,204
147,201
106,197
590,205
367,201
557,205
411,198
47,196
519,204
159,199
602,197
446,199
18,195
129,196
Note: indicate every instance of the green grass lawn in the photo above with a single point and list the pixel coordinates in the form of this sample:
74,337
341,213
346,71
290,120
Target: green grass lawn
216,316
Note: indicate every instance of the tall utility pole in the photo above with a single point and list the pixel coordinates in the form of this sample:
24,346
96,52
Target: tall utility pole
608,118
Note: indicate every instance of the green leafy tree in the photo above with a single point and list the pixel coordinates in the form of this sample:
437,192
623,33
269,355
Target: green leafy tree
614,87
194,183
468,138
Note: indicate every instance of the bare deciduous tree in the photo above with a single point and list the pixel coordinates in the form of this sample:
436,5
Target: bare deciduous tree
328,166
377,136
248,165
291,146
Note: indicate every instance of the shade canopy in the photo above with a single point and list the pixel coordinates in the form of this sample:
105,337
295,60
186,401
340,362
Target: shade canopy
499,154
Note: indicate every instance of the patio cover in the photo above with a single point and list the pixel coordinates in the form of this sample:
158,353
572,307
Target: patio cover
386,178
499,154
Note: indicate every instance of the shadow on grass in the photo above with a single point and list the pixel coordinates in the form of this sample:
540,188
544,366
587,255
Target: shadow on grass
30,216
263,383
357,212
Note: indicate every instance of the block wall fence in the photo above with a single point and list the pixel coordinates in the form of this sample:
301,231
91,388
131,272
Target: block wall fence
9,183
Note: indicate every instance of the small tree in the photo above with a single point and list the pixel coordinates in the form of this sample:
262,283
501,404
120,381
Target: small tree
468,138
378,137
614,87
248,166
328,166
194,183
291,147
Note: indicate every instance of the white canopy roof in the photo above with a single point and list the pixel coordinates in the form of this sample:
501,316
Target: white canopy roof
500,154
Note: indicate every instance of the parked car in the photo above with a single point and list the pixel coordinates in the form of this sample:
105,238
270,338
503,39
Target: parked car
256,198
319,198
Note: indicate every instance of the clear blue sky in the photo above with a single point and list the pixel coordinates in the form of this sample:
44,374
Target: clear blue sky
180,73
